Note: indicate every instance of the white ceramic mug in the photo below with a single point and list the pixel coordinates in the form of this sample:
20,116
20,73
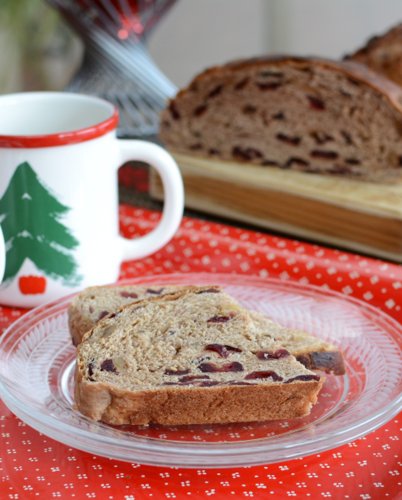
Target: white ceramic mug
59,157
2,255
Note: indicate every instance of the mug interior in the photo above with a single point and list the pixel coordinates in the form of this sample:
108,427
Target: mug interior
34,114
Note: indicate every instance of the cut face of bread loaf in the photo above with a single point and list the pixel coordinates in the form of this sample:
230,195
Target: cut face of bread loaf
383,54
310,115
194,356
94,303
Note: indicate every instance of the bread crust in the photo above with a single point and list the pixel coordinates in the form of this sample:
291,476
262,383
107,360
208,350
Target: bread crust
350,68
195,405
78,326
383,54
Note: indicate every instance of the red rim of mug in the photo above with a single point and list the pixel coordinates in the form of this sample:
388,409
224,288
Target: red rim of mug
61,138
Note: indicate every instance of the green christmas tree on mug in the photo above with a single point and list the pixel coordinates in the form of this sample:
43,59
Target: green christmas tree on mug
30,219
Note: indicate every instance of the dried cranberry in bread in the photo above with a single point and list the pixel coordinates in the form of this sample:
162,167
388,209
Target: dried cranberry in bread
311,115
190,357
383,54
94,303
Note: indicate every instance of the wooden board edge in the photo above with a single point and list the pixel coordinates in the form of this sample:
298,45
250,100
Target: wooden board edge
219,210
355,194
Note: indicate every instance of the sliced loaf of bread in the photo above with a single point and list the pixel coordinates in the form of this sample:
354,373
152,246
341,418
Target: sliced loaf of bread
190,357
94,303
306,114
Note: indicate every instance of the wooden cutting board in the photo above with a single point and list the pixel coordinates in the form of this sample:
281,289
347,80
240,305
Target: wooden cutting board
361,216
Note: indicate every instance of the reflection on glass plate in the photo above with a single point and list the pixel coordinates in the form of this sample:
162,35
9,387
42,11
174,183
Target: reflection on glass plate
37,381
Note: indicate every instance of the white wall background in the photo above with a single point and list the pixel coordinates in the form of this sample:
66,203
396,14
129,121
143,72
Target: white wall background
198,33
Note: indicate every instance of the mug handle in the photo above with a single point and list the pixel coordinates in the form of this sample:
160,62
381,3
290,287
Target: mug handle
173,207
2,255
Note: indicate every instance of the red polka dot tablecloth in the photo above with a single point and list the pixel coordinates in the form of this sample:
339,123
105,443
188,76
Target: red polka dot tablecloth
33,465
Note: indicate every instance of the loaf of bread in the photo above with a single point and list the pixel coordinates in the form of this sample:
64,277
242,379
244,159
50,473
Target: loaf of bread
311,115
383,54
190,357
94,303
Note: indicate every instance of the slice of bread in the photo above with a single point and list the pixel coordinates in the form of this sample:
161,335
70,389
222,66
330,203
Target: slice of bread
94,303
190,357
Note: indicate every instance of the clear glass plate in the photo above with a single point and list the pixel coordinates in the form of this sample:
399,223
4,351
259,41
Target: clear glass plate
37,380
